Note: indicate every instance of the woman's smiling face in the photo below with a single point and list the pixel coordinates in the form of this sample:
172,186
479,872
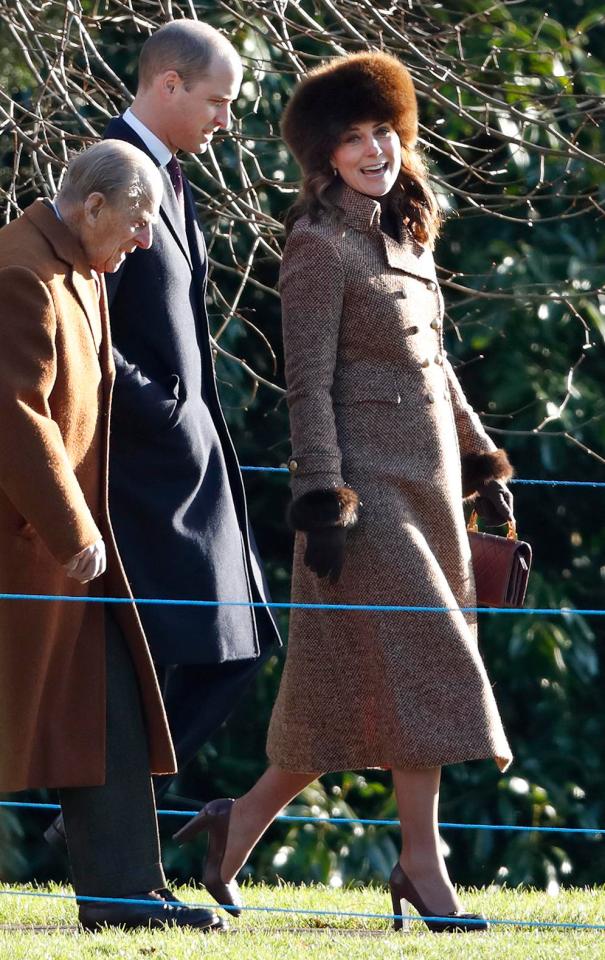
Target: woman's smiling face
368,157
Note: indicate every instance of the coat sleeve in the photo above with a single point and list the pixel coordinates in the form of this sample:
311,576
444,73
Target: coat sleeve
481,459
311,287
35,472
144,404
472,437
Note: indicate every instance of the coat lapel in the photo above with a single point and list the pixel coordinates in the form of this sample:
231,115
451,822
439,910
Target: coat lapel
68,249
363,213
170,211
409,256
106,352
86,290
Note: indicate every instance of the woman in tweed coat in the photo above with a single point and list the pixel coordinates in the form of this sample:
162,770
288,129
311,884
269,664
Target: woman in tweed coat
384,448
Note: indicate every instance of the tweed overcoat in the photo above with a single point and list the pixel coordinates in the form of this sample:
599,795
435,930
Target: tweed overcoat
56,374
374,404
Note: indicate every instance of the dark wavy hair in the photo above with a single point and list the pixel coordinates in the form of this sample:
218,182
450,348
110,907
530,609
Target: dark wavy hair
411,198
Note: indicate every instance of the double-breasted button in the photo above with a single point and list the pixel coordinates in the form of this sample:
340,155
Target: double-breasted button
430,397
432,286
412,330
401,294
434,324
425,363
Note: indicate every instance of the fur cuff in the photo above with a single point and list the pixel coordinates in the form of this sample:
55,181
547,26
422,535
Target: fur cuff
477,468
319,509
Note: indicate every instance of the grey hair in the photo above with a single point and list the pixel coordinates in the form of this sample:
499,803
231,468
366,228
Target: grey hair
185,46
113,168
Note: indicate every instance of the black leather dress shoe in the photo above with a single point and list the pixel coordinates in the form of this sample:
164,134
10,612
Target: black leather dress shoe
154,913
167,894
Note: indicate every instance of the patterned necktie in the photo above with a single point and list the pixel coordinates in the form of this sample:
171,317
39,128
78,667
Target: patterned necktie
176,178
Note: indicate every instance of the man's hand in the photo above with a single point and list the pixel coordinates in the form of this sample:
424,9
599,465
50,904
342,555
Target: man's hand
88,564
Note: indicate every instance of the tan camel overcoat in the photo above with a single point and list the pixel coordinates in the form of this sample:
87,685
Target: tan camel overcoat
56,374
375,404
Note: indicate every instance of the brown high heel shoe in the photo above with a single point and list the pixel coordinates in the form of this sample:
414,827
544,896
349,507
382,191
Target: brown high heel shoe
214,818
403,892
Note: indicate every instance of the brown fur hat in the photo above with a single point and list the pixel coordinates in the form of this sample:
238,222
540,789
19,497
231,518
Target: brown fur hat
348,90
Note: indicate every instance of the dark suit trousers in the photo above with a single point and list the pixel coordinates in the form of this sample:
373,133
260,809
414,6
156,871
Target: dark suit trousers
198,699
112,833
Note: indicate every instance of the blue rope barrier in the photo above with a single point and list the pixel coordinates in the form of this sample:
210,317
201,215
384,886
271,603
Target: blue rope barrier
361,821
518,480
273,605
559,483
379,608
587,831
543,924
264,469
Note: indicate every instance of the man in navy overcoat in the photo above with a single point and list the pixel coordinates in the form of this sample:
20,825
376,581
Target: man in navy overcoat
176,495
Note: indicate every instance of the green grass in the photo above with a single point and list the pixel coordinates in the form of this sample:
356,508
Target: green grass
36,928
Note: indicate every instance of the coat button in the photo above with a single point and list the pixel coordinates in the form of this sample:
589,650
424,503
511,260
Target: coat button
413,330
432,286
438,360
430,397
402,294
292,466
434,324
426,362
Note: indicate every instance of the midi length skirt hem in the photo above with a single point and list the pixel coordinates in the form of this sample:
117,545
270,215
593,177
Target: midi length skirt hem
334,763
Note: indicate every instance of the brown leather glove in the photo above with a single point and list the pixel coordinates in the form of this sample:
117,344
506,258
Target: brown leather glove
325,552
494,503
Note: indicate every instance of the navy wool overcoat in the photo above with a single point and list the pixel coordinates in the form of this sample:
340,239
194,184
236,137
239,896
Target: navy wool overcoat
176,494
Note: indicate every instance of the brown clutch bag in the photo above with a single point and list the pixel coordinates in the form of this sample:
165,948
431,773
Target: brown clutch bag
501,566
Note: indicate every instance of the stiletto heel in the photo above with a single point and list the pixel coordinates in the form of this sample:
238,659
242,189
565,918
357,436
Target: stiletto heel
402,908
214,819
403,892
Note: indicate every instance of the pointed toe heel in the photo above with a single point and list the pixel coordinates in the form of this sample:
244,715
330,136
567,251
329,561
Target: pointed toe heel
404,893
214,819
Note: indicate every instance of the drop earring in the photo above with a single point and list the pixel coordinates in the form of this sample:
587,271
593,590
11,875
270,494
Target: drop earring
334,171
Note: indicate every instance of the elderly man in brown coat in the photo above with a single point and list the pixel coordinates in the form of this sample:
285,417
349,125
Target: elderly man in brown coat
80,708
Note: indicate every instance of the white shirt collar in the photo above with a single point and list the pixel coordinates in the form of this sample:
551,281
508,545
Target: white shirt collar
153,143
